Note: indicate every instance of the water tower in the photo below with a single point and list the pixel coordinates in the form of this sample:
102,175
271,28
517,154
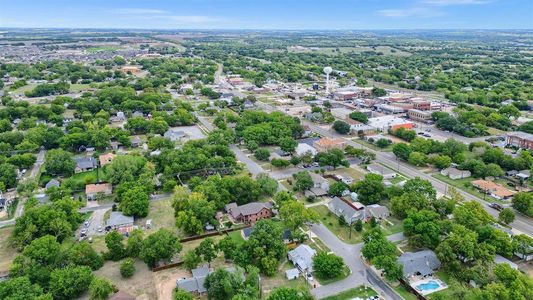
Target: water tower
327,71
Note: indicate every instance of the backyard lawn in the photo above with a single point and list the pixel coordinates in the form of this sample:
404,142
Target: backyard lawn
332,223
345,273
372,146
360,292
162,215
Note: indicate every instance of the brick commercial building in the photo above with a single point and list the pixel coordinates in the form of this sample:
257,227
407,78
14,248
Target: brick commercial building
520,139
420,115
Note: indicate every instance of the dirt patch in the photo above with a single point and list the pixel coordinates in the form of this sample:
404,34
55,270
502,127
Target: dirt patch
166,281
7,253
142,284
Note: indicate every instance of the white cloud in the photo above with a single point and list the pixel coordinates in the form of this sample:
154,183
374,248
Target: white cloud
409,12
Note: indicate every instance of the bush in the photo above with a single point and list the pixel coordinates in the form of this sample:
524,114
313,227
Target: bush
127,268
327,266
262,154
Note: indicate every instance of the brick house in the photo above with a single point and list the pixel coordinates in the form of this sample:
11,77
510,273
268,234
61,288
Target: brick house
520,139
249,213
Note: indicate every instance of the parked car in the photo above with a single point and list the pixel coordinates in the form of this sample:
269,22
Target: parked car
496,206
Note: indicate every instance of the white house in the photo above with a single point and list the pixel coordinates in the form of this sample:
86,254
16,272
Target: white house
303,149
381,170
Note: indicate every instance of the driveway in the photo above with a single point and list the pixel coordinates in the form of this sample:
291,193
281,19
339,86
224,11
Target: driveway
96,220
360,275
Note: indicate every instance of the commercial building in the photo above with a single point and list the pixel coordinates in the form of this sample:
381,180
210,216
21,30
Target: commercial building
325,144
385,123
420,115
520,139
341,113
389,109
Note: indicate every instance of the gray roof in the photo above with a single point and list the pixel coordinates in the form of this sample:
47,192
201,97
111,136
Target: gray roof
377,211
86,162
380,169
247,209
318,179
196,282
118,219
341,208
51,183
302,257
419,263
309,141
200,272
292,273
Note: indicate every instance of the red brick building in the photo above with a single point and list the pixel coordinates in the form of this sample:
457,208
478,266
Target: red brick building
520,139
249,213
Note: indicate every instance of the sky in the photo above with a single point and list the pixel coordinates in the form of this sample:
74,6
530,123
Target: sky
269,14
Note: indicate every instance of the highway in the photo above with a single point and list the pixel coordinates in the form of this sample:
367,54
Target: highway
521,224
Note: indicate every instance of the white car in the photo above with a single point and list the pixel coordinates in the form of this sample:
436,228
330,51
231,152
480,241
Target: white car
100,229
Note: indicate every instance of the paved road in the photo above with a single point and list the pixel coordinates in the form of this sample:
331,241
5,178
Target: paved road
351,255
522,223
29,175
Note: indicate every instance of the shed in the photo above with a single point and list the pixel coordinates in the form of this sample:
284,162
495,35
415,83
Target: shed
292,274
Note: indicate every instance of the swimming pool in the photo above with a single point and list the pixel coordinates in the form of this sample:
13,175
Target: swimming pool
426,286
429,286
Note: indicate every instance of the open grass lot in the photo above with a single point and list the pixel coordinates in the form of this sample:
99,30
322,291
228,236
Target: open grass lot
354,173
391,226
460,184
279,280
7,253
400,289
332,223
345,273
142,283
162,215
77,87
372,146
236,236
25,88
360,292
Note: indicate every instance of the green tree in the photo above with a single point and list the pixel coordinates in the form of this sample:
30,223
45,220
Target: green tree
70,282
115,246
418,159
127,268
59,162
358,225
523,202
302,181
283,293
158,246
262,154
294,214
382,143
370,190
268,185
207,250
18,288
228,246
125,168
359,116
472,215
379,92
83,254
442,161
337,188
180,294
288,144
280,163
223,284
390,266
327,266
135,202
100,289
522,245
402,151
135,243
506,216
423,228
341,127
191,259
333,157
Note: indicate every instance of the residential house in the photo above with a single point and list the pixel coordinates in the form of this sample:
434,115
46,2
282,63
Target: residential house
303,149
454,173
345,210
175,135
319,181
379,212
325,144
106,159
85,164
381,170
302,258
136,141
493,189
93,190
195,284
520,139
52,183
118,221
419,264
249,213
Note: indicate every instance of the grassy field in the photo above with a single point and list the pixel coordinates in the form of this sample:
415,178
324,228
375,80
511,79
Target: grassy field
279,280
77,87
395,227
360,292
345,273
25,88
236,236
7,252
162,215
332,223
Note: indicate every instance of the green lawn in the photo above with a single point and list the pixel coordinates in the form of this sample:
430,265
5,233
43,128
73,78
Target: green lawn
332,223
400,289
90,176
372,146
460,184
360,292
79,87
236,236
395,227
345,273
